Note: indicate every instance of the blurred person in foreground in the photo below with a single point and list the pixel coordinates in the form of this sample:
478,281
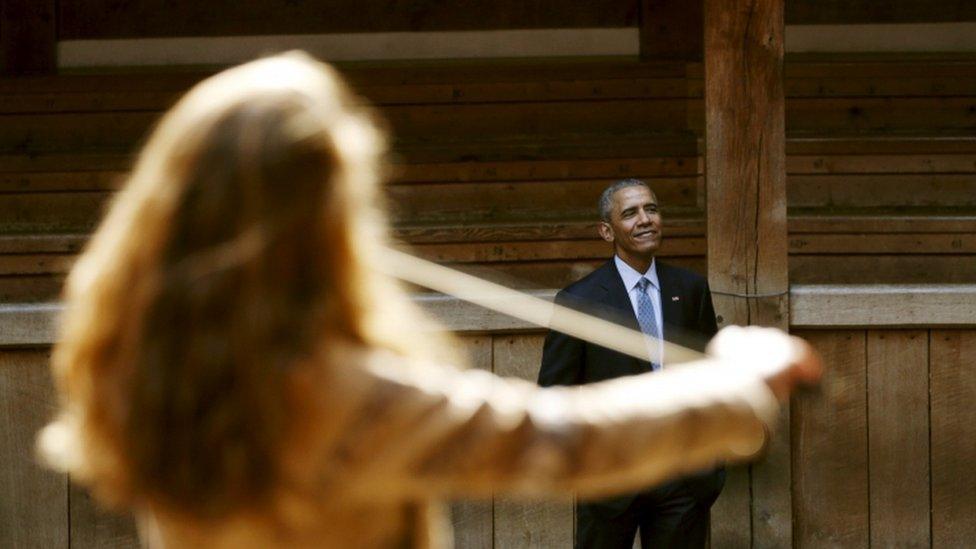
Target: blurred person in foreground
234,369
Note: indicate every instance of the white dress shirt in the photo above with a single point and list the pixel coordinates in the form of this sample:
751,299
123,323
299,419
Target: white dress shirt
631,277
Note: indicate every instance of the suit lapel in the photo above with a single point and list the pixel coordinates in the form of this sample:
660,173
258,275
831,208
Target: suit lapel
670,299
616,296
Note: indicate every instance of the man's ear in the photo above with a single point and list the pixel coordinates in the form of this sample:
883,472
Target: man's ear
606,231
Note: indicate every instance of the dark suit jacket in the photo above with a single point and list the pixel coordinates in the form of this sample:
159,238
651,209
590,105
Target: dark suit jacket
689,320
687,312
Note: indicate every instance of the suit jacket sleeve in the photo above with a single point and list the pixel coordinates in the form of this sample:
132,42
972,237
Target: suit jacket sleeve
706,315
421,431
563,356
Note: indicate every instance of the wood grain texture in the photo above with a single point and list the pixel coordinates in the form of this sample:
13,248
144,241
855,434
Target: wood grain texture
898,437
56,212
882,269
31,288
871,244
830,447
871,305
746,211
732,509
518,524
507,252
34,506
521,200
536,170
953,386
60,181
116,131
745,155
474,520
881,163
879,191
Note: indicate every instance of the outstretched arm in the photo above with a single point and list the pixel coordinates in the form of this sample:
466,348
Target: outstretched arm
422,430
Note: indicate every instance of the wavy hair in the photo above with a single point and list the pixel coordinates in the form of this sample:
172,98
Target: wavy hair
240,246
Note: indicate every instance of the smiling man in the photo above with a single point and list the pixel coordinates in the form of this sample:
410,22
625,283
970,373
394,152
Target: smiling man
635,290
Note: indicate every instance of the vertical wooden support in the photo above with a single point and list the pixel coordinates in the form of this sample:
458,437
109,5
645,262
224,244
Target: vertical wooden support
28,37
745,170
671,30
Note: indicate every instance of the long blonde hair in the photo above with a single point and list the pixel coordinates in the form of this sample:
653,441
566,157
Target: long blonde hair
240,245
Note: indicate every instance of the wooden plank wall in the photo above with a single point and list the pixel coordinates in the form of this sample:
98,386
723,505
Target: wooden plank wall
878,452
881,453
881,159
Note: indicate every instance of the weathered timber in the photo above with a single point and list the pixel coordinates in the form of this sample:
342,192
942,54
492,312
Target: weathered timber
473,520
94,527
520,524
520,200
830,447
747,232
34,506
898,437
882,269
953,432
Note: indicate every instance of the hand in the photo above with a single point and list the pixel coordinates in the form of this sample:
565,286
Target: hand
783,361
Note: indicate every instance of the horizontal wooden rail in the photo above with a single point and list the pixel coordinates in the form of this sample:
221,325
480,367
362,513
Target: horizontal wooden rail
811,307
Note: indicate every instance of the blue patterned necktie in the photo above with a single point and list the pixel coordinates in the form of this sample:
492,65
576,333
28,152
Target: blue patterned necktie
645,315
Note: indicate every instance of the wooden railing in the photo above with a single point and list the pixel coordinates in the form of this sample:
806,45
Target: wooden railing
881,453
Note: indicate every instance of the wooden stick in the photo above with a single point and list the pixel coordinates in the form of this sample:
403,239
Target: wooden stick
531,309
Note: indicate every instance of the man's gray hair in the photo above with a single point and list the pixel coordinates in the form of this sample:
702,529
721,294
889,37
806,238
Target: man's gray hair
606,198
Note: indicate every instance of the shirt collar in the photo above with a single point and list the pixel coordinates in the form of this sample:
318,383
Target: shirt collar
631,277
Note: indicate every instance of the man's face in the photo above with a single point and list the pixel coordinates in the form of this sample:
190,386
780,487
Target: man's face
635,226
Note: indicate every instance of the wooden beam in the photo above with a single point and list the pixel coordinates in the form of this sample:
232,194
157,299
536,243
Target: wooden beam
811,306
28,37
892,306
671,29
745,171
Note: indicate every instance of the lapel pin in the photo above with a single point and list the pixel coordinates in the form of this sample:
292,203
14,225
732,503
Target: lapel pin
676,298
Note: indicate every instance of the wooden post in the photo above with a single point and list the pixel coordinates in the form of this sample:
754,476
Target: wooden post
671,30
745,169
28,37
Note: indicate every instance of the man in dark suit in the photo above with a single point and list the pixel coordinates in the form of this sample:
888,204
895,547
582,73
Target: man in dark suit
635,290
